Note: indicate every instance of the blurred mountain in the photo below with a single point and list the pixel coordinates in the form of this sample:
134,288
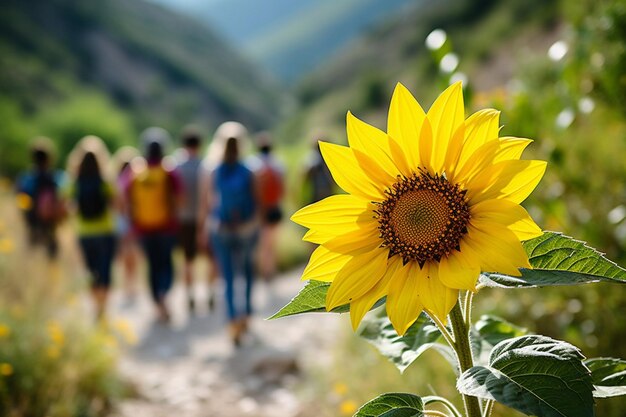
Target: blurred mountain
160,67
291,38
490,39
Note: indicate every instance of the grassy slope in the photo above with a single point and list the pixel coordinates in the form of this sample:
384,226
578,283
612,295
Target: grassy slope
161,66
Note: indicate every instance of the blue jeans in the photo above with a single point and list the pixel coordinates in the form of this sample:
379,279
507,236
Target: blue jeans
98,253
232,250
158,248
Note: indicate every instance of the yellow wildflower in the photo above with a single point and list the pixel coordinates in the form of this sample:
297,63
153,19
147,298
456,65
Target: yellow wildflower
6,369
348,407
5,331
6,245
24,201
56,334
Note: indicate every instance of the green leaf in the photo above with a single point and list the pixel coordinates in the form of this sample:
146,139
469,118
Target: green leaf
392,405
535,375
487,332
559,260
311,298
494,330
402,351
608,375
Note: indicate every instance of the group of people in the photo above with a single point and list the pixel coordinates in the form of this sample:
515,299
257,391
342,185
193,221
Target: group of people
225,204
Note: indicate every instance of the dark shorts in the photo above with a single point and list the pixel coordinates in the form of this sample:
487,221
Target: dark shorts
272,215
187,235
98,254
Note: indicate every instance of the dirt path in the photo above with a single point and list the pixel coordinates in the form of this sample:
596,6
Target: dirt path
190,368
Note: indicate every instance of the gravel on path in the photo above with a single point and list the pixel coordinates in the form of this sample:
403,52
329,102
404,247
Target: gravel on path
190,368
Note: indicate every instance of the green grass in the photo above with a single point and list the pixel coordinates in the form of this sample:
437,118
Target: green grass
53,362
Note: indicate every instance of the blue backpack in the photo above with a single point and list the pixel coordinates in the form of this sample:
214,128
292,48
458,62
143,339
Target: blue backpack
234,185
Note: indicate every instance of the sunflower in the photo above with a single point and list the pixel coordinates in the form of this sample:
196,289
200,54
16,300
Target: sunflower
429,205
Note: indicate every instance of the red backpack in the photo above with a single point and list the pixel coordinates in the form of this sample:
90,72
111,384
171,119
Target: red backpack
47,204
270,183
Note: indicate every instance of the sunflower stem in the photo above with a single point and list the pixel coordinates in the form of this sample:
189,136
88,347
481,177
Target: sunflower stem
467,309
444,331
463,349
488,408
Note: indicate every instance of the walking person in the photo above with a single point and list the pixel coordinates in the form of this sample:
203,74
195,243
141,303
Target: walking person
318,181
39,197
270,174
93,198
229,206
189,170
126,241
153,195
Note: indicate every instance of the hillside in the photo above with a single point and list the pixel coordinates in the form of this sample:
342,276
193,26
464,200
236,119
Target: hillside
363,75
292,38
154,66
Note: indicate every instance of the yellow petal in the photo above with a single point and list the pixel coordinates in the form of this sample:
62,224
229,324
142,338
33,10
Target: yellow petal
454,151
403,304
364,239
459,271
357,277
426,146
336,214
374,143
317,237
480,128
437,298
476,163
404,123
508,214
511,180
511,148
360,306
374,171
445,116
399,157
490,153
497,248
347,172
324,265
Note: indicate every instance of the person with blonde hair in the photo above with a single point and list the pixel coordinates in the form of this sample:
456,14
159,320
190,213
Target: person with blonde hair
213,157
228,205
93,197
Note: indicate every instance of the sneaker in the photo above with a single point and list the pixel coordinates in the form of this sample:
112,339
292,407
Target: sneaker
235,331
244,323
163,314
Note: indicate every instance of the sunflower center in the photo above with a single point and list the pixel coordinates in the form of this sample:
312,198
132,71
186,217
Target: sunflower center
423,218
